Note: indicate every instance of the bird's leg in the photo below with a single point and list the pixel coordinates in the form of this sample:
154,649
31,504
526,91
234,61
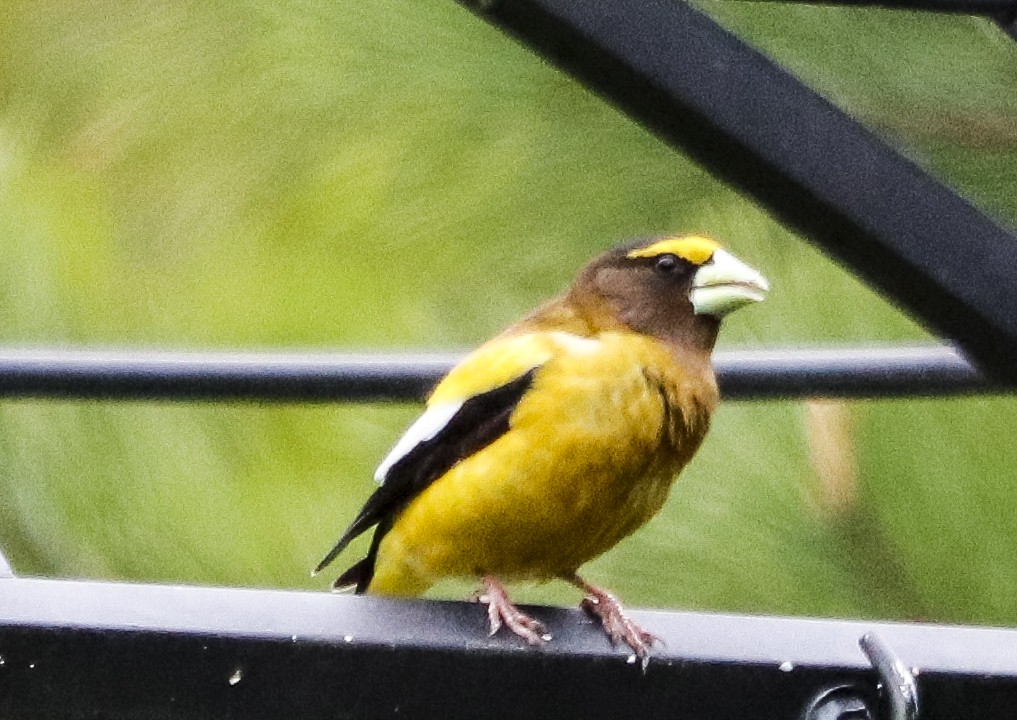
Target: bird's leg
618,626
500,611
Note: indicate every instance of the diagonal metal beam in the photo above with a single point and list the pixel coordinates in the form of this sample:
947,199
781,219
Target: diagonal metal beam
757,127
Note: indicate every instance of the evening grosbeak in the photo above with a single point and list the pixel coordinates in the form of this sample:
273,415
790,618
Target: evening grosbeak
561,436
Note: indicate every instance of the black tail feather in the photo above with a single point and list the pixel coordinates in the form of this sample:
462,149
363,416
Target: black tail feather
373,512
359,576
339,546
356,578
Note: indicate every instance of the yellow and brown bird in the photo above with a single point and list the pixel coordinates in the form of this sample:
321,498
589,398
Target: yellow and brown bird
561,436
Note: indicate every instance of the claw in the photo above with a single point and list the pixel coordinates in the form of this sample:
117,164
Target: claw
502,612
620,628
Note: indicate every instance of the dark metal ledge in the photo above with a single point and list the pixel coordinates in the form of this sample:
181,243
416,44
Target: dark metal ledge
743,374
86,649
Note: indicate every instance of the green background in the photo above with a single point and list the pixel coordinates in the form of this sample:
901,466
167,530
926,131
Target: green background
375,175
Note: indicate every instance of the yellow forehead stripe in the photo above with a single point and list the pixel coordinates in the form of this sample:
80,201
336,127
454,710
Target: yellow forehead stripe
694,248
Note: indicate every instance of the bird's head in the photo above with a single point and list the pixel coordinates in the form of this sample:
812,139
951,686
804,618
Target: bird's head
674,288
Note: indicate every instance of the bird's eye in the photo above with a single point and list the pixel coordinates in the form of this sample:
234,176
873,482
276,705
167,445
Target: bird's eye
667,264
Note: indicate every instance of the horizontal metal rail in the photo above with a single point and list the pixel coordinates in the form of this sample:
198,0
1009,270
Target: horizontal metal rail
256,376
86,649
919,370
743,374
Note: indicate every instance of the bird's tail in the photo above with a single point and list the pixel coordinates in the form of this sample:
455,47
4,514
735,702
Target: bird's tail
356,578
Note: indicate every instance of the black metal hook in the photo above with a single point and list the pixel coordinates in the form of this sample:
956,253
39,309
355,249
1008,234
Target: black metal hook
897,680
840,702
848,702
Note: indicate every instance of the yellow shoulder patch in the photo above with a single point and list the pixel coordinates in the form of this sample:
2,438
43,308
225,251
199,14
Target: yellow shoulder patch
694,248
502,360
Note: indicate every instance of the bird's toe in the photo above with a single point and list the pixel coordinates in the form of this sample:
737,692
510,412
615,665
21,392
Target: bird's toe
619,627
501,612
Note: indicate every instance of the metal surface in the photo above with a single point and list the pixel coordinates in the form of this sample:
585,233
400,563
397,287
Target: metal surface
754,125
1008,23
842,702
896,679
848,372
84,649
154,375
743,375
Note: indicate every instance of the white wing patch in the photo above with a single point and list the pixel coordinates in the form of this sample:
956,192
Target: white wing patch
576,343
424,428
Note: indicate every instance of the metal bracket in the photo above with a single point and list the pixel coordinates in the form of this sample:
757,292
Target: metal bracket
897,681
850,701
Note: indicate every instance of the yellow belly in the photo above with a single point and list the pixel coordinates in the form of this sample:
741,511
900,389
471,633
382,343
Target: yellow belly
589,458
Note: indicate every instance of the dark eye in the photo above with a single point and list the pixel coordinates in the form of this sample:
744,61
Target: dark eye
667,264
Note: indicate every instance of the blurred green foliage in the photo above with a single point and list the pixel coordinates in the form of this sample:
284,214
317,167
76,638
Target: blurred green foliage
361,175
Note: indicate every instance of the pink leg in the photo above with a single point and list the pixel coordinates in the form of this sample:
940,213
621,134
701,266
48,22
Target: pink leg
500,611
618,626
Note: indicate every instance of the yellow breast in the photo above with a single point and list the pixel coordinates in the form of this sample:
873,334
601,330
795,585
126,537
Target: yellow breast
591,453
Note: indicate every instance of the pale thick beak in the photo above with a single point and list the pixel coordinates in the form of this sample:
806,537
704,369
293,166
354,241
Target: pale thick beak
725,284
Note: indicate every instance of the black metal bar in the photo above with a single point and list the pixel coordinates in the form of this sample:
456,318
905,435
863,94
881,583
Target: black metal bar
153,375
1007,22
926,370
84,649
743,375
754,125
967,7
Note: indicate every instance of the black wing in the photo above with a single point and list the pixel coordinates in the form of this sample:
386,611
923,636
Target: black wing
480,421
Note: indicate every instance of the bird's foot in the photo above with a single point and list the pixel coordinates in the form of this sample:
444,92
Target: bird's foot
620,628
502,612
